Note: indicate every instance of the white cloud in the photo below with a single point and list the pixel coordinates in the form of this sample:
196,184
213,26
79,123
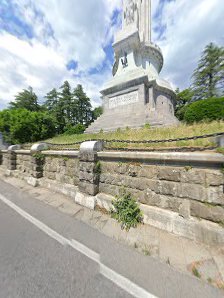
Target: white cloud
81,29
190,26
65,30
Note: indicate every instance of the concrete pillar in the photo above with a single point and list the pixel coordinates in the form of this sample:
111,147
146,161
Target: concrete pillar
89,167
37,160
220,141
11,163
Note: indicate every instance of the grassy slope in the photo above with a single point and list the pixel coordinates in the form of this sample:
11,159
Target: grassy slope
151,134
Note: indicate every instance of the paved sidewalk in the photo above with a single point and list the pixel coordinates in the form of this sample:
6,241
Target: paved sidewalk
203,262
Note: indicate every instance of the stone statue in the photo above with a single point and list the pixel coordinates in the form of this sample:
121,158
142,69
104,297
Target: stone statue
137,13
130,16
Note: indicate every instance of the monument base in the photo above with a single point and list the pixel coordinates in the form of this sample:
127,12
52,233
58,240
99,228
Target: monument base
136,103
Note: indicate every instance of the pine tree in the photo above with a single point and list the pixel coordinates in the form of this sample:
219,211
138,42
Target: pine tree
84,107
208,77
56,109
65,100
51,100
26,99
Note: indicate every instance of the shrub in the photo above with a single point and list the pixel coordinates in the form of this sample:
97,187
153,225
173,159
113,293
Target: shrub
23,126
126,211
147,126
207,109
181,112
75,130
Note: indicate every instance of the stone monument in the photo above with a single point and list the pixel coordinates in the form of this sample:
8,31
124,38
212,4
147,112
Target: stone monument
136,95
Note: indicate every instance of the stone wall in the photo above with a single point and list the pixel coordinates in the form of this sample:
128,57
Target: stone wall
186,190
62,169
179,192
4,159
23,163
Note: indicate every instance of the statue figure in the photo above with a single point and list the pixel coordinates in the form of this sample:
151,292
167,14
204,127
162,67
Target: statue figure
130,9
137,13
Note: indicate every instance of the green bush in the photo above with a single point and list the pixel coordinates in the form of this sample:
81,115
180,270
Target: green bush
126,211
75,130
181,112
23,126
207,109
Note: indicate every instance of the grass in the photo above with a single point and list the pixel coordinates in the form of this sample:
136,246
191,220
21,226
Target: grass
220,150
209,280
196,272
145,133
146,252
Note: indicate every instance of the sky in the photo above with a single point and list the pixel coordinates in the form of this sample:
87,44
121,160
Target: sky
45,42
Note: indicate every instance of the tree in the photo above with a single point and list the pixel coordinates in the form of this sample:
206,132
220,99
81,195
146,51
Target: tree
97,112
51,100
208,77
26,99
84,107
65,100
23,126
183,98
69,108
55,106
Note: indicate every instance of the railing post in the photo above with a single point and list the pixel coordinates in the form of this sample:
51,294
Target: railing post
37,162
89,167
11,156
220,141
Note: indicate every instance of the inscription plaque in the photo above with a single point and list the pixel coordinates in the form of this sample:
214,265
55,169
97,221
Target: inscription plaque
124,99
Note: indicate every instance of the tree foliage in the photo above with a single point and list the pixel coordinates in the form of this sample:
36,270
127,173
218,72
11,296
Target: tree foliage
64,111
183,98
97,112
26,99
84,108
208,77
207,110
23,126
75,130
69,108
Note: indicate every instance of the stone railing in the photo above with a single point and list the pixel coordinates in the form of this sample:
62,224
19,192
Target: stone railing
178,192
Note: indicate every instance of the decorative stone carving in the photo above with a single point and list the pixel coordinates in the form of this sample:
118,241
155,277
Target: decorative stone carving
130,13
115,66
124,60
125,99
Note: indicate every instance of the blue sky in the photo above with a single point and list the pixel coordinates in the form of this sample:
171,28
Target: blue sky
43,43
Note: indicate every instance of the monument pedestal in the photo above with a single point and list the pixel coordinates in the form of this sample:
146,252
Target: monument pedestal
136,95
135,103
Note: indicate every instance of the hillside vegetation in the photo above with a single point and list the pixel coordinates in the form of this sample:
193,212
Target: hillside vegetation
146,133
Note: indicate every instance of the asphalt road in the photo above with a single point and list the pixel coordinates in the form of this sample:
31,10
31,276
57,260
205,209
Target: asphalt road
33,264
38,260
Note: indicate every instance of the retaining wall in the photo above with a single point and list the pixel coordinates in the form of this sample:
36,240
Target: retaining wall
61,168
178,192
3,159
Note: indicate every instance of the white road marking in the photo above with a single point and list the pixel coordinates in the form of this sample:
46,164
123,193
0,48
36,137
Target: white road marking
124,283
62,240
91,254
110,274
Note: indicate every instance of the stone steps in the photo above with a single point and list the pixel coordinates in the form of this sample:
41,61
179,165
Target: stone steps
112,126
113,121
